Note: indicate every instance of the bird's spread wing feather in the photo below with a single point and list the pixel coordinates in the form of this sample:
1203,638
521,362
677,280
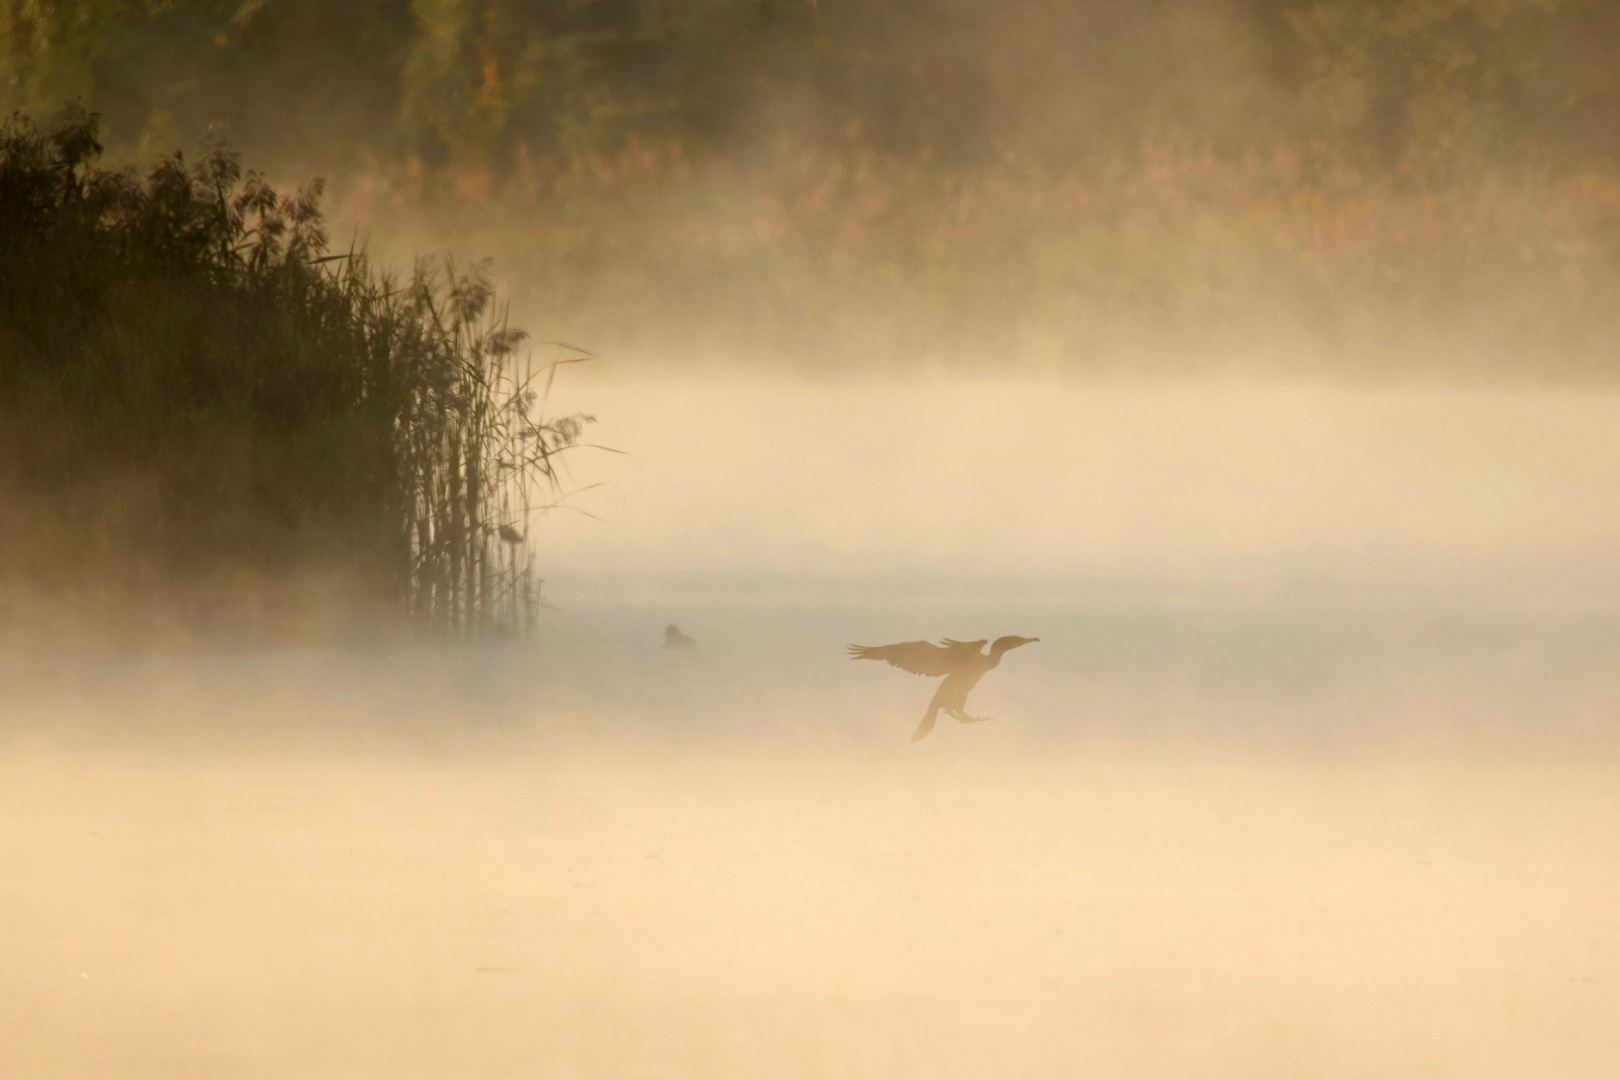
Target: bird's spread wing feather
917,657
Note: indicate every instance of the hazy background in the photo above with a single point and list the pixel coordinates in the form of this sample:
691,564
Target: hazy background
1367,188
1255,355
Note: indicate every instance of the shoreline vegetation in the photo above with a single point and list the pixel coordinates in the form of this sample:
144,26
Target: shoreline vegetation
1388,189
213,423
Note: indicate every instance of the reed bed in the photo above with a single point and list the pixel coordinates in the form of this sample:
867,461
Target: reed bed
201,400
482,461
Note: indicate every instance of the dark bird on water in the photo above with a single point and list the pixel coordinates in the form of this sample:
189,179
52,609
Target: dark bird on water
963,663
674,639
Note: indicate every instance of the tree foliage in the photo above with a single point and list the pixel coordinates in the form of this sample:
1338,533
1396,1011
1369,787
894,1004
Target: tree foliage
463,79
916,172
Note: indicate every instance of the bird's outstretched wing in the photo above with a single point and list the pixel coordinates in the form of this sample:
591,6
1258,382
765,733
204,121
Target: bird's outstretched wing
966,646
917,657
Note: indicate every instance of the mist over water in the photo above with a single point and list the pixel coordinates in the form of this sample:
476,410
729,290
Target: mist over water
1219,546
1312,771
1254,355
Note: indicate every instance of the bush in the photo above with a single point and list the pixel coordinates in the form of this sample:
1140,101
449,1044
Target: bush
203,408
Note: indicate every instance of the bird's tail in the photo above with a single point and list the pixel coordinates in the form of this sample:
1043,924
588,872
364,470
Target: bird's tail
927,724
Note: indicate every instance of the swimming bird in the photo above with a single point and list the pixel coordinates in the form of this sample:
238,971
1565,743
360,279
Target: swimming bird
674,639
963,663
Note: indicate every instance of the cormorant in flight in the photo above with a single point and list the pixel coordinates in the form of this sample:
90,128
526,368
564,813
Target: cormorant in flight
963,663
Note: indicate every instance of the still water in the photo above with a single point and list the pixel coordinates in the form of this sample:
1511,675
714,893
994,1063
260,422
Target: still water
1312,773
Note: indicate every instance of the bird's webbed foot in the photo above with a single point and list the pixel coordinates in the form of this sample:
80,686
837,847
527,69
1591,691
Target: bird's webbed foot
966,719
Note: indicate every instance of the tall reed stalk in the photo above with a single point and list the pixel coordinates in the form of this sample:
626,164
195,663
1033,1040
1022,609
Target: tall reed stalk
482,458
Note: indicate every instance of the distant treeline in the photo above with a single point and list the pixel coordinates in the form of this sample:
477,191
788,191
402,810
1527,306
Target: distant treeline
1052,80
916,176
204,415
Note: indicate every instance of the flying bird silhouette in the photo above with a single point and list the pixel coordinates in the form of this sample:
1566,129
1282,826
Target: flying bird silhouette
963,663
674,639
